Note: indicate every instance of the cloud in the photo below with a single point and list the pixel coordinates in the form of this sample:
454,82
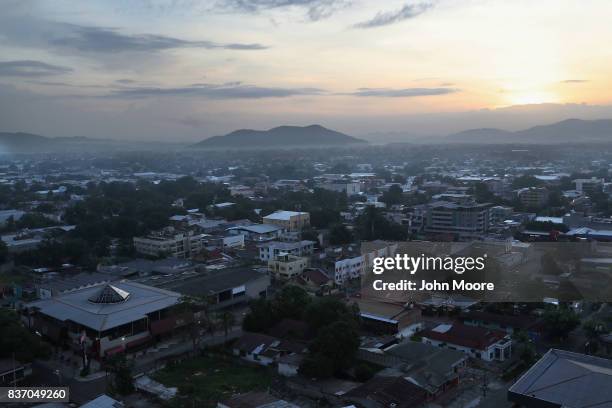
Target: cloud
212,91
109,40
390,17
574,81
28,31
402,93
315,9
29,69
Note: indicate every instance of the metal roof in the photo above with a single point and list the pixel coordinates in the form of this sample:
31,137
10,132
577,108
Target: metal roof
569,379
76,306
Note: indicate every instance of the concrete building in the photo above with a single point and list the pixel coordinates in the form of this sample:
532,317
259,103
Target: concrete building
588,186
257,232
288,220
533,197
169,242
271,250
457,220
348,188
285,267
223,287
477,342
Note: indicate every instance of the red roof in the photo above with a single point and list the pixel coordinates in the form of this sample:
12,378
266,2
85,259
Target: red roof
467,336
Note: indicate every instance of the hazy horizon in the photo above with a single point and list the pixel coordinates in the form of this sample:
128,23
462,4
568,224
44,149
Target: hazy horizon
183,71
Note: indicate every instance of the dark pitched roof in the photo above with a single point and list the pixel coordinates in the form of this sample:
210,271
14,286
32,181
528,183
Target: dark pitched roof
316,276
389,391
466,336
515,322
565,379
258,343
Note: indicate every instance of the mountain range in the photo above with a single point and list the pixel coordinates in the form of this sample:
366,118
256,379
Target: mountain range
280,137
567,131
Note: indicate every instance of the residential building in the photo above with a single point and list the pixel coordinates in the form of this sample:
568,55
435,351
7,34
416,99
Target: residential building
531,325
533,197
460,221
288,220
271,250
477,342
265,350
170,242
434,369
589,186
348,188
564,379
285,267
257,232
385,392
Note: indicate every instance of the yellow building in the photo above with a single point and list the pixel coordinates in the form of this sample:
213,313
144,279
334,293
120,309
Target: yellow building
285,267
288,220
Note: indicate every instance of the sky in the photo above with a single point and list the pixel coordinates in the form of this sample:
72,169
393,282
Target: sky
185,70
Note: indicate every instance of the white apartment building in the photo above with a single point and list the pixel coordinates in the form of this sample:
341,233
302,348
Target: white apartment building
273,249
169,242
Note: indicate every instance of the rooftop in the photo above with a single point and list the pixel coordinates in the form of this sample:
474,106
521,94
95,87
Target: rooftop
565,378
77,307
283,215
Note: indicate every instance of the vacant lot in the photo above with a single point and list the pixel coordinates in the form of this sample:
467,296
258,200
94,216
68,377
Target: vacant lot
209,379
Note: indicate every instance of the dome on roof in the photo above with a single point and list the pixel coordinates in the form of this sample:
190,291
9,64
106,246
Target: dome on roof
109,294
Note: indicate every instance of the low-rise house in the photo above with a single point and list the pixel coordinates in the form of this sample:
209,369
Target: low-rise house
315,280
432,368
265,350
531,325
477,342
385,392
564,379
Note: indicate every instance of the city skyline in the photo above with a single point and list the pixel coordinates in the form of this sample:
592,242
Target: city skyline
187,70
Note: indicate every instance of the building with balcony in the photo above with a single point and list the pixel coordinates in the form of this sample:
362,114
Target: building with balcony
462,221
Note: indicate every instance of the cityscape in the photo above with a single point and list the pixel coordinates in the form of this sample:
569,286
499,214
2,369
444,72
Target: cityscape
202,206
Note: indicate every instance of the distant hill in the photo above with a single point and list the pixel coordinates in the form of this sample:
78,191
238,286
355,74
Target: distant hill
279,137
23,142
567,131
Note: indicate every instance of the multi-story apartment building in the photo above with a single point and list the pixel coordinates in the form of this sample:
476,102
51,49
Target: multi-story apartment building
588,186
468,220
285,267
170,242
533,197
273,249
288,220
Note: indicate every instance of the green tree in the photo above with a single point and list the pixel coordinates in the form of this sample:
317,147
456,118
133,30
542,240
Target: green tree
339,234
18,341
121,370
3,252
260,316
328,310
339,343
393,196
290,302
560,322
